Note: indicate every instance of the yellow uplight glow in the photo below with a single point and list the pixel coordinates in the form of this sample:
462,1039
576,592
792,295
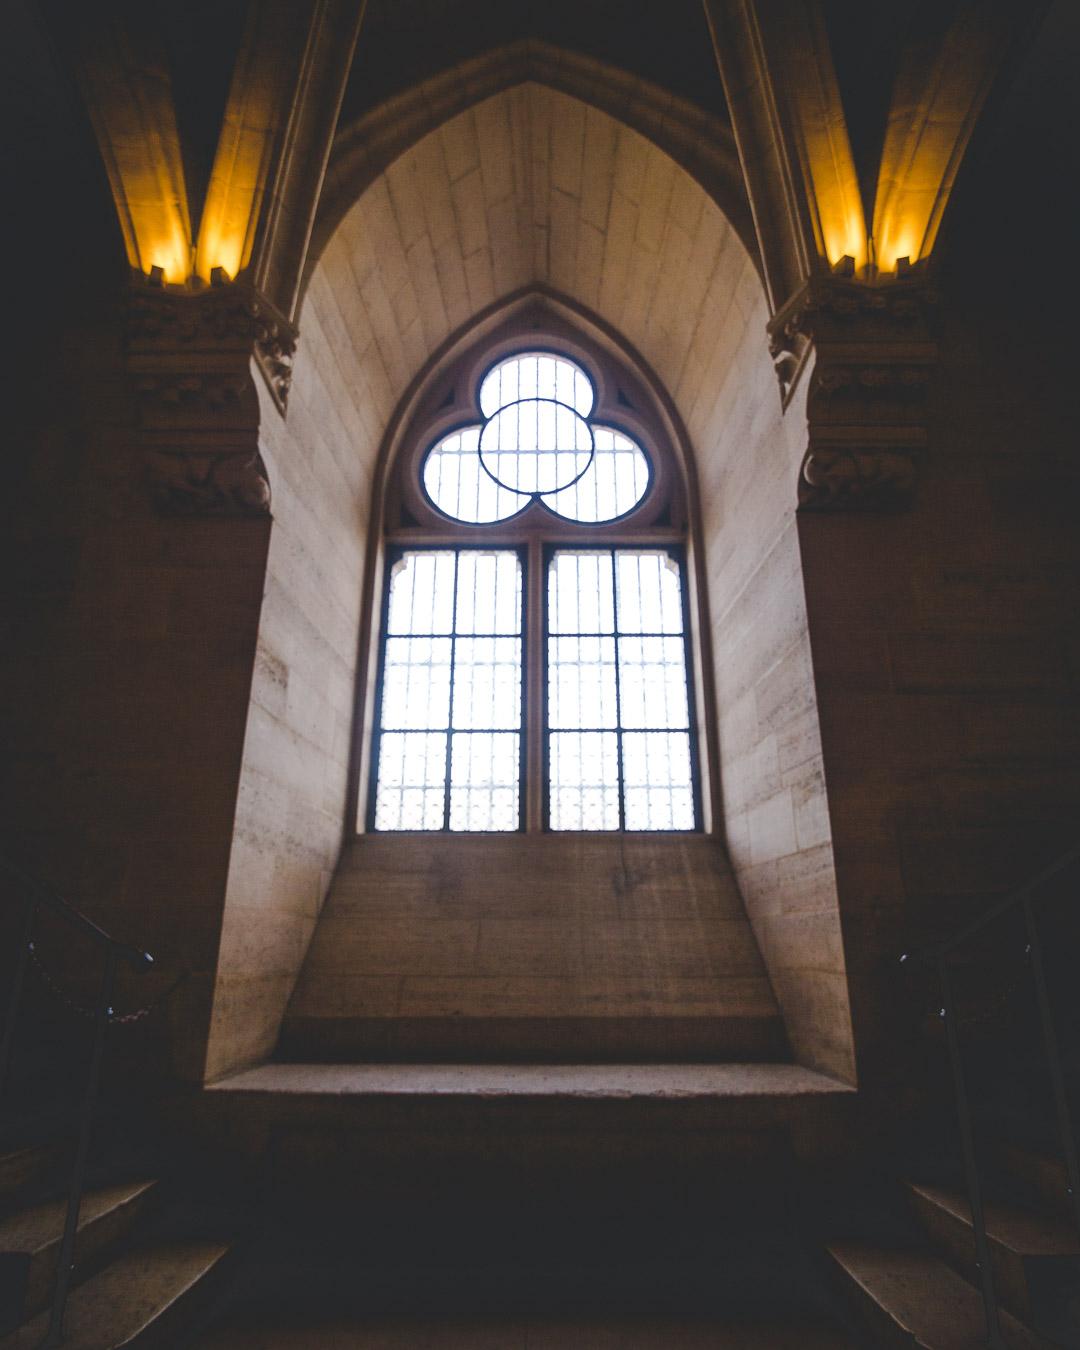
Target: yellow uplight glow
160,238
219,247
173,261
846,241
839,209
233,200
899,240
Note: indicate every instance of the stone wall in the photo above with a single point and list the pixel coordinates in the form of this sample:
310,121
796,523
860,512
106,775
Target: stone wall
537,947
945,642
290,813
775,813
126,671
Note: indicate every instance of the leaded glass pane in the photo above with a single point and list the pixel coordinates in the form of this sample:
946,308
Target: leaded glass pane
416,683
484,771
422,593
583,776
412,781
614,484
536,445
581,593
487,683
649,591
536,375
489,592
652,682
461,487
656,772
581,682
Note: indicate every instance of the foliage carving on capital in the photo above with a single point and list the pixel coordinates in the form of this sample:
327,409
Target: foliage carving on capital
895,379
210,330
189,355
850,478
866,406
186,483
831,306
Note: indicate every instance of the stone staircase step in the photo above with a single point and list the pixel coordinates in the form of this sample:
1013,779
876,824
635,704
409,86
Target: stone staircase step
504,1101
530,1334
1040,1175
147,1298
731,1083
911,1299
27,1168
30,1239
1020,1241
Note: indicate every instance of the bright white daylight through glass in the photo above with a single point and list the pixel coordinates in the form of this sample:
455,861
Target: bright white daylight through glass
536,444
618,708
450,742
448,751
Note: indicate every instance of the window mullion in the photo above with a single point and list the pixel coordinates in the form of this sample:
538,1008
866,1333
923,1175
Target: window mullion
535,669
618,691
450,710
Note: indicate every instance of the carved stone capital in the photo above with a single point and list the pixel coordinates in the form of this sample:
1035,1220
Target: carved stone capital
839,308
902,380
210,332
857,478
826,310
191,483
866,407
190,358
214,389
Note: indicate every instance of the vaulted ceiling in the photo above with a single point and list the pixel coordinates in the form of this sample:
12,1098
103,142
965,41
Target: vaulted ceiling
533,187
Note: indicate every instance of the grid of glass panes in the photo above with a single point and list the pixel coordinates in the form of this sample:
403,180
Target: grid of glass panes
448,751
619,739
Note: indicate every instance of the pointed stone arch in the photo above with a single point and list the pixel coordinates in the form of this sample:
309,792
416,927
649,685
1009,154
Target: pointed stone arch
534,191
697,141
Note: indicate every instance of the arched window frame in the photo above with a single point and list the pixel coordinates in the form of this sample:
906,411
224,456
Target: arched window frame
628,398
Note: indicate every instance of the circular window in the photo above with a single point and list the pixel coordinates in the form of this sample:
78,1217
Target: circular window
536,444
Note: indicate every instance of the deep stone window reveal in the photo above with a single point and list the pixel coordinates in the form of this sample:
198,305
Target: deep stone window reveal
614,745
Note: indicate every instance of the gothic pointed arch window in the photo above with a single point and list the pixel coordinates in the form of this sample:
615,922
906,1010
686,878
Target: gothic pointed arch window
534,659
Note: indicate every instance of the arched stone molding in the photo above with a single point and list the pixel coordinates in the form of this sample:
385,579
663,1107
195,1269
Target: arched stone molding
697,141
555,318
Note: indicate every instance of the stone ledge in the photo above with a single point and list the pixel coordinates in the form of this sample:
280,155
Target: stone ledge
663,1082
308,1113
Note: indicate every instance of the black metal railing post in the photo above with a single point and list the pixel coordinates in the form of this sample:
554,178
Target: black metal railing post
54,1336
39,896
7,1045
994,1334
1053,1057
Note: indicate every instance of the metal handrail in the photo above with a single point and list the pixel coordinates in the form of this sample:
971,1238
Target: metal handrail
938,955
1010,901
138,960
38,895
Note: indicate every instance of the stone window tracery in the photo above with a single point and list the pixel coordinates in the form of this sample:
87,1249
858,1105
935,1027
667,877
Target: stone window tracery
534,664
